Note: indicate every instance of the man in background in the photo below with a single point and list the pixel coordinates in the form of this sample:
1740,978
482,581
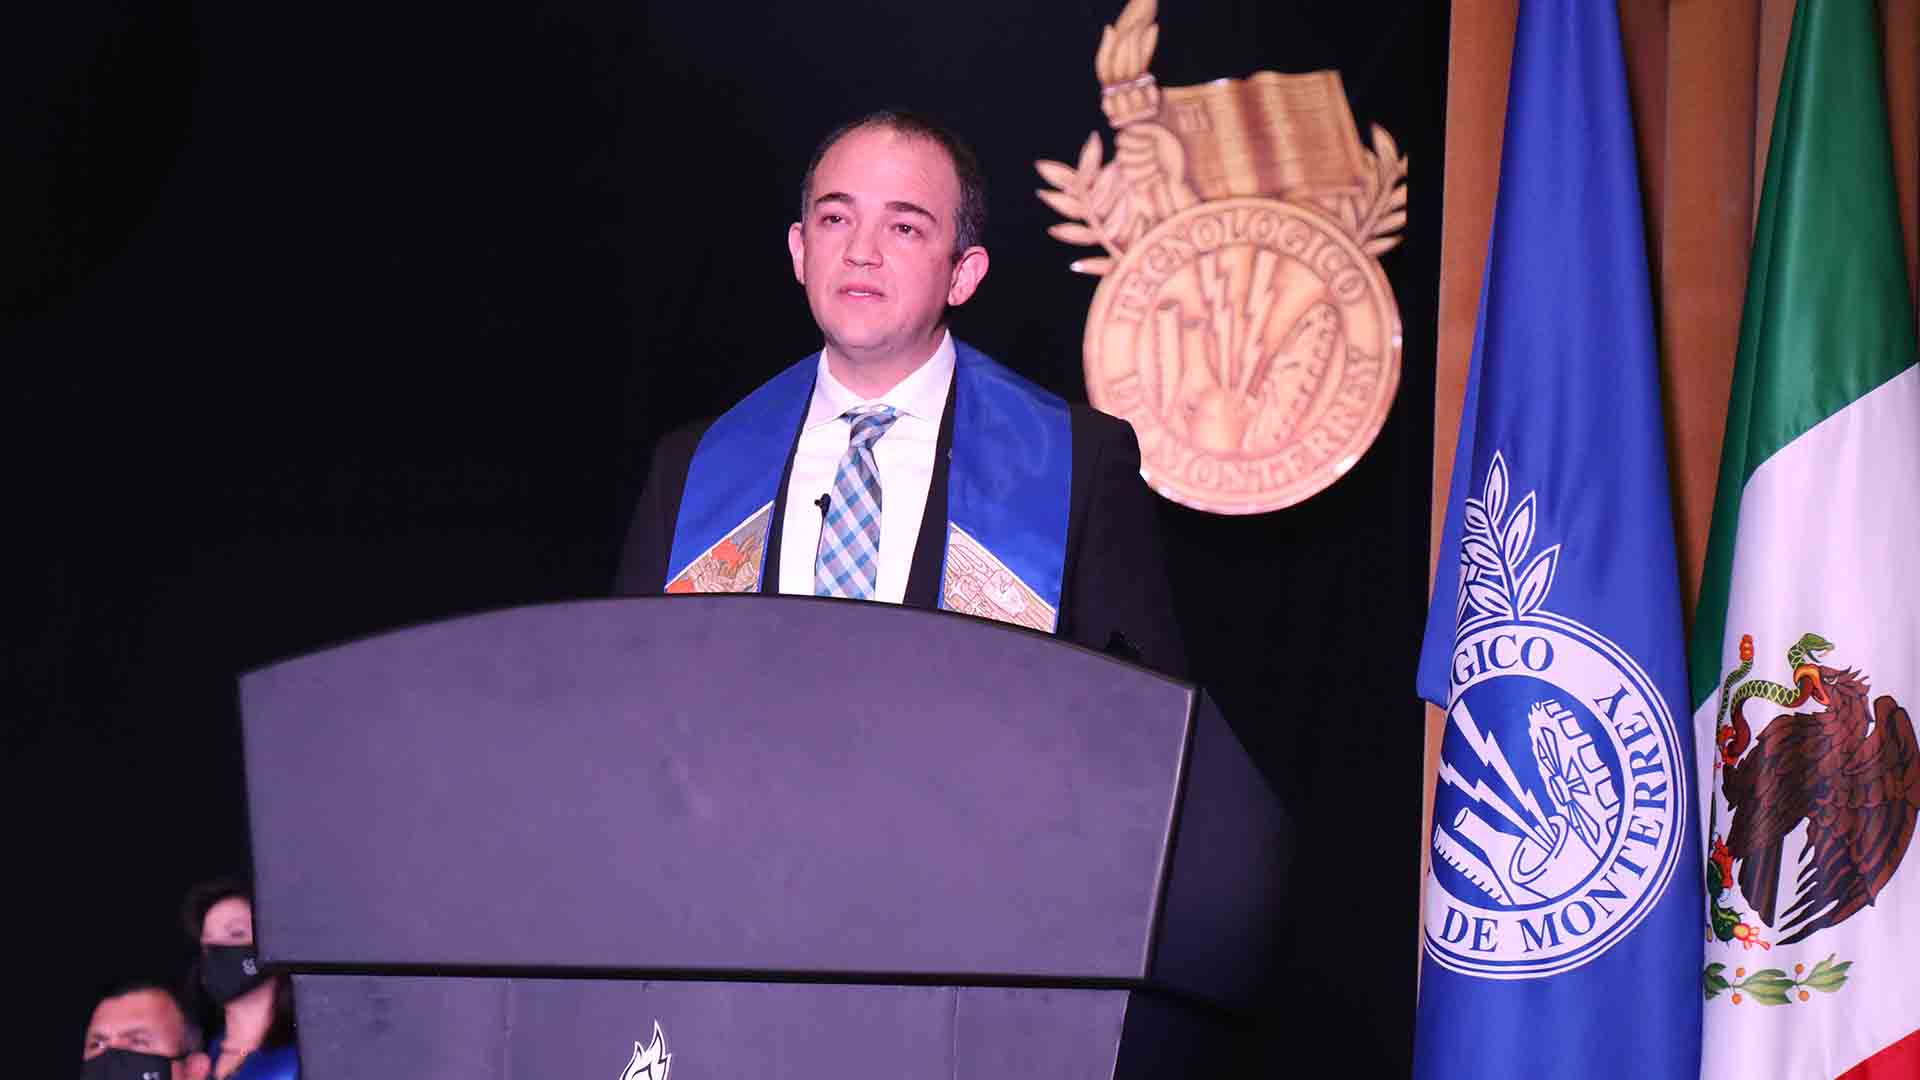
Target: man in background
139,1032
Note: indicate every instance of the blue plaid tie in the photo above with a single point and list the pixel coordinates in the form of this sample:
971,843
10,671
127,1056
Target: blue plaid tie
848,562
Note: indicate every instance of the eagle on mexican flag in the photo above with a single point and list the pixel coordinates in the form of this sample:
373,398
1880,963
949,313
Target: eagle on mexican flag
1805,657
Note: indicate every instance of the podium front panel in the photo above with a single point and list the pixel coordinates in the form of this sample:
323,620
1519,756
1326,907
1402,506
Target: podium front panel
377,1028
714,784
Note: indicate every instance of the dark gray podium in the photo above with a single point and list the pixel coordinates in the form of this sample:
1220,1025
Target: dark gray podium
807,838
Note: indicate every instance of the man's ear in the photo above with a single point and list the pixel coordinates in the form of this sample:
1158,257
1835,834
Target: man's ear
197,1066
797,247
967,275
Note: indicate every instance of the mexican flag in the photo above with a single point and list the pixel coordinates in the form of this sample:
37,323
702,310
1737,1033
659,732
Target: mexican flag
1805,661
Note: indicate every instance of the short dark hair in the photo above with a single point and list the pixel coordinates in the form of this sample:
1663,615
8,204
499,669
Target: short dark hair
192,1039
969,218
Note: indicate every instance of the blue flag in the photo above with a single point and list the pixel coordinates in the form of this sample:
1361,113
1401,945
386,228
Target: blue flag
1563,915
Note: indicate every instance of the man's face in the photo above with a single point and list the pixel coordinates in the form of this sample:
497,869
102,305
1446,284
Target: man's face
876,249
146,1022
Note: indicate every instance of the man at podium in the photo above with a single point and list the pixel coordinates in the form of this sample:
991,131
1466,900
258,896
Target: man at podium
898,463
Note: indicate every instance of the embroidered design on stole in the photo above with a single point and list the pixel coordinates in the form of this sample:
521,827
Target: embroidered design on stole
733,564
975,583
1006,428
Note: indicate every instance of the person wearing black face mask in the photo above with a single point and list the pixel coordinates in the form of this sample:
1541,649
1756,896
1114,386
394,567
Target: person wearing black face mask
138,1031
229,972
256,1040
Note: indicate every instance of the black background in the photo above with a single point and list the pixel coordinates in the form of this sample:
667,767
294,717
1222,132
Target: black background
319,320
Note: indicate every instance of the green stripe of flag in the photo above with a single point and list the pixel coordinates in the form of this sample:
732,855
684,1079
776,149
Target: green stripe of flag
1828,316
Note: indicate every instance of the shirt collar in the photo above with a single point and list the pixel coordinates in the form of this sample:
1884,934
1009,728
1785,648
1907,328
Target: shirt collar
922,395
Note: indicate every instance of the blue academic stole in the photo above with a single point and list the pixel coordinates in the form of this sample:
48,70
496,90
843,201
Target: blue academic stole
1009,480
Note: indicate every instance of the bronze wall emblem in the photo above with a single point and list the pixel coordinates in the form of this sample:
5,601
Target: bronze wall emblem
1242,324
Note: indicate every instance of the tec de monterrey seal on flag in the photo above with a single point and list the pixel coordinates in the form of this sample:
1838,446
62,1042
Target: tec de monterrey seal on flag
1563,899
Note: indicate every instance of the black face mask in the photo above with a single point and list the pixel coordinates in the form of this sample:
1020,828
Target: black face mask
227,971
127,1065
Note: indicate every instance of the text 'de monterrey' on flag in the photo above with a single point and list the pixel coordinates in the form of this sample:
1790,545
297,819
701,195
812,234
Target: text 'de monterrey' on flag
1563,895
1805,659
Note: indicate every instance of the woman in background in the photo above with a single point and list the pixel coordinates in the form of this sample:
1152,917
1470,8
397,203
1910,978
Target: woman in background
256,1039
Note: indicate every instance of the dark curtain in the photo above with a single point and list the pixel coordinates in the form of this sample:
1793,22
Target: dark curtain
321,320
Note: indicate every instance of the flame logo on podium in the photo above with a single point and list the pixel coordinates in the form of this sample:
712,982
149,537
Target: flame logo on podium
650,1062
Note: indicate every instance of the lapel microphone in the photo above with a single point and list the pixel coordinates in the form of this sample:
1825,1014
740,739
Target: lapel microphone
823,503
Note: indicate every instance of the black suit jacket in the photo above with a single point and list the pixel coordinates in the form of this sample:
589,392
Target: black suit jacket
1114,596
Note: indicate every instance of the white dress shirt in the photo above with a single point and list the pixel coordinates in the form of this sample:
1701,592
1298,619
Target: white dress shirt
905,458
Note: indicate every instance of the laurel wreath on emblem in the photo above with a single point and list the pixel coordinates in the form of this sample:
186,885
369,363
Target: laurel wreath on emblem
1113,205
1497,579
1372,216
1773,986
